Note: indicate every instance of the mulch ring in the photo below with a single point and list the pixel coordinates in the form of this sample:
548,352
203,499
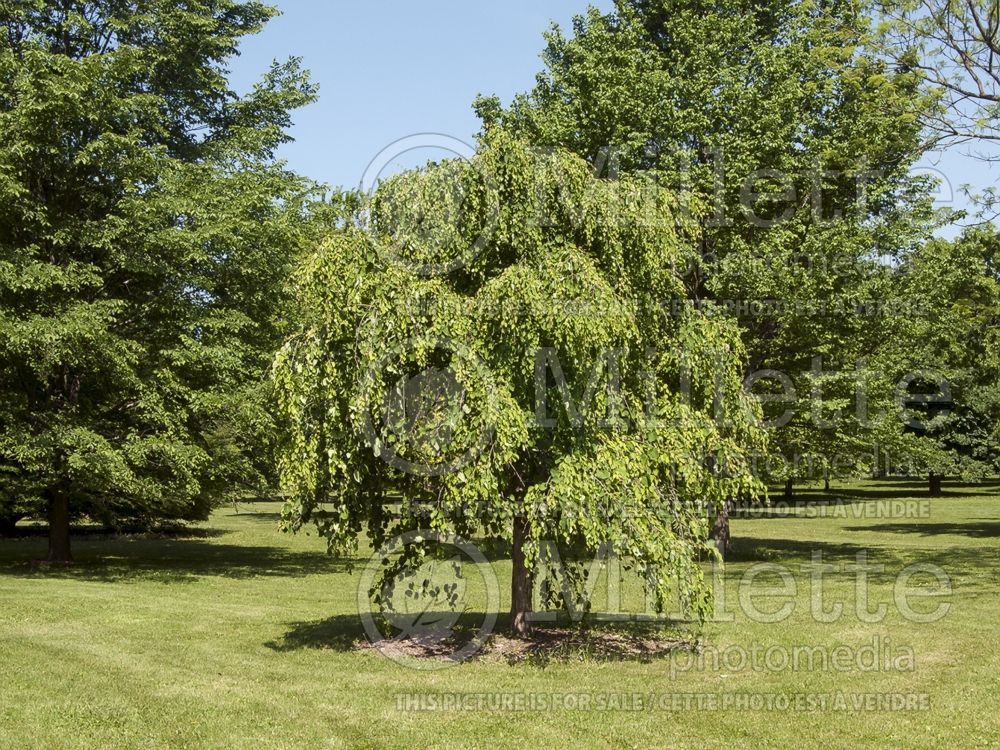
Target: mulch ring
577,644
545,644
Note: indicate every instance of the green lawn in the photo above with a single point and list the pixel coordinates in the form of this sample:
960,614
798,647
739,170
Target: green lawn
238,636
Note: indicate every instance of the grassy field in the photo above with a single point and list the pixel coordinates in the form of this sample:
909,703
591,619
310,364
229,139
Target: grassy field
237,636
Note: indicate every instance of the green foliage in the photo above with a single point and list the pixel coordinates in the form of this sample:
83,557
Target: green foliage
954,347
786,122
145,235
533,380
953,47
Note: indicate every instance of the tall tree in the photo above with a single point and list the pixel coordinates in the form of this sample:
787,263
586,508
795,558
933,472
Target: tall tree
786,120
145,234
954,47
520,390
952,353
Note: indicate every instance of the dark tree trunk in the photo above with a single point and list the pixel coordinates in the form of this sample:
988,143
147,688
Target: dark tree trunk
720,529
935,484
880,470
789,489
520,583
59,528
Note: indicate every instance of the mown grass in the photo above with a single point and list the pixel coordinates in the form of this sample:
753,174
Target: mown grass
238,636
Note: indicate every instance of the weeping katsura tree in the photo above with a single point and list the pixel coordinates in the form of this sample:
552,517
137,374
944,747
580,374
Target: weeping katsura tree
501,347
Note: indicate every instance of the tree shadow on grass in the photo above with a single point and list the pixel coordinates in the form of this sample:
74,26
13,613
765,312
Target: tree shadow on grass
259,515
891,489
959,562
337,633
348,633
761,549
983,529
911,491
805,496
92,533
622,641
972,488
121,560
550,643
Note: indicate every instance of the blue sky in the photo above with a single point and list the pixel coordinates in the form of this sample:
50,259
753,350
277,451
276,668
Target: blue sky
390,69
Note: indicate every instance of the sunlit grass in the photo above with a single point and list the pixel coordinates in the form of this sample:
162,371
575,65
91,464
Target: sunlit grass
241,637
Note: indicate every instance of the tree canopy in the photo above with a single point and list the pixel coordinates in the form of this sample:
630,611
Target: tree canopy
785,119
145,234
951,348
541,391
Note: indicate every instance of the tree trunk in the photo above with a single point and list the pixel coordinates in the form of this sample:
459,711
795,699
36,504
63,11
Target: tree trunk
59,528
879,470
720,529
520,583
789,489
935,484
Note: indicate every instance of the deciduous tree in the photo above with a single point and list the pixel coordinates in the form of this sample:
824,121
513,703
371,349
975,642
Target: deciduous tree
784,118
145,234
485,351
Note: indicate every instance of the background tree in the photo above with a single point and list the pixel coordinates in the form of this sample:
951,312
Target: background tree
954,46
145,234
521,392
784,118
953,354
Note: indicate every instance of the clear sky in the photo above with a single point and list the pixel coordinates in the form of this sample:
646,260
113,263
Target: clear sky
390,69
